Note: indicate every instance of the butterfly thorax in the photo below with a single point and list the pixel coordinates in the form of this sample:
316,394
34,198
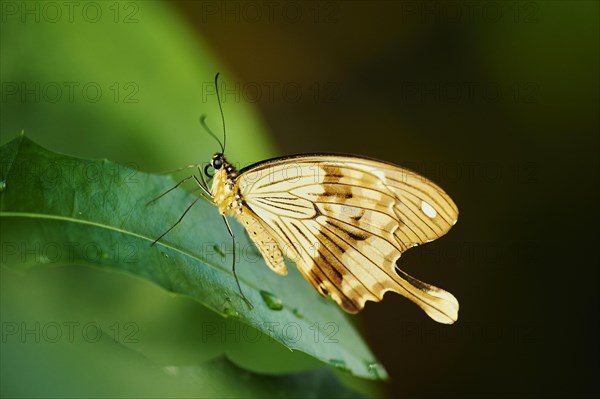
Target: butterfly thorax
223,190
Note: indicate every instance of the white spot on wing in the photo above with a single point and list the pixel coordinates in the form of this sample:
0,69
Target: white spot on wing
379,173
428,209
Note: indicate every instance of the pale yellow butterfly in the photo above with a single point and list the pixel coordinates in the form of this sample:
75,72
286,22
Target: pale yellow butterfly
343,219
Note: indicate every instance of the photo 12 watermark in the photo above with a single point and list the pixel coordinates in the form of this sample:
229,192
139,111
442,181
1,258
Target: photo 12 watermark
467,11
288,332
468,92
26,332
68,252
478,172
70,92
52,174
53,12
272,92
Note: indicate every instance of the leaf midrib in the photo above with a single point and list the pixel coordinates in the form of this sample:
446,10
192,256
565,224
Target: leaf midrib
130,233
108,227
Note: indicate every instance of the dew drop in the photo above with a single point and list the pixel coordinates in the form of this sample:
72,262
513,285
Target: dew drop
2,185
44,259
171,370
297,313
340,365
377,370
231,312
164,254
271,300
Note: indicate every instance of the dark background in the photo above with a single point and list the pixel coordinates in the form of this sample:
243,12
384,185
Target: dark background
495,101
498,103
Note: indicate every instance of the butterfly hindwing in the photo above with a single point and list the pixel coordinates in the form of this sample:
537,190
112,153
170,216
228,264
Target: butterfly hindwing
346,220
265,243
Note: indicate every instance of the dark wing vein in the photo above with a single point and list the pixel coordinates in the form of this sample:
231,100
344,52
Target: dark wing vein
286,207
393,244
441,207
319,266
356,260
410,194
417,216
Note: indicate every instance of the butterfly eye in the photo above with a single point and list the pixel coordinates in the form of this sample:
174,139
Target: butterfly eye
217,163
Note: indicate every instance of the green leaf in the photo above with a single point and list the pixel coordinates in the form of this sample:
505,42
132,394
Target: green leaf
215,378
223,379
71,210
55,346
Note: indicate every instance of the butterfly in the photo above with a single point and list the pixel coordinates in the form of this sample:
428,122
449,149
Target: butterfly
344,220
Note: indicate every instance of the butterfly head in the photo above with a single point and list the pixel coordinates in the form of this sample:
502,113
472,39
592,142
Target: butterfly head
220,165
217,161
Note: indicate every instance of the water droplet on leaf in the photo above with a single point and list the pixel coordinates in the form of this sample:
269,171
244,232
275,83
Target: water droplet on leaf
231,312
376,370
340,365
44,259
171,370
271,300
2,185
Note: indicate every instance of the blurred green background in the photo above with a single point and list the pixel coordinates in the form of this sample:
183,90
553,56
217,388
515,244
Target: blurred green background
495,101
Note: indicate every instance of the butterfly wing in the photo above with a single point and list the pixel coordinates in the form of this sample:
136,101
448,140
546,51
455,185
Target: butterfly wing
345,221
265,243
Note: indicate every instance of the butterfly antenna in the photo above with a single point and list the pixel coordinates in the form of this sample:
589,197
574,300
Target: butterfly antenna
221,109
205,126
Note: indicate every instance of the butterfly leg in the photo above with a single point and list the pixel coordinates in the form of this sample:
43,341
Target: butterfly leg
234,273
202,195
169,190
204,184
178,221
171,171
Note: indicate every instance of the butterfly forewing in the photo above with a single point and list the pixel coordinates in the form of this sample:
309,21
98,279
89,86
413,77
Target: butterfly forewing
346,220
